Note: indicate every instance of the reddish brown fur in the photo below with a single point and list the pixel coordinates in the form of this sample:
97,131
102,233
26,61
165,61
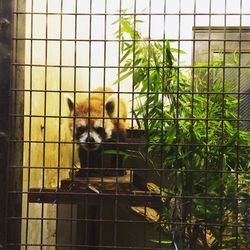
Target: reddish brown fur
92,108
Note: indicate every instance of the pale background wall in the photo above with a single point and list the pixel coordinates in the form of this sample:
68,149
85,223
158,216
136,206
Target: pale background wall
52,104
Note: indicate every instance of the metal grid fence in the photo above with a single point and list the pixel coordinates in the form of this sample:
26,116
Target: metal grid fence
175,174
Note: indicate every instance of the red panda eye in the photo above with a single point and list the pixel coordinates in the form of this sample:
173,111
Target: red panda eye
80,130
100,130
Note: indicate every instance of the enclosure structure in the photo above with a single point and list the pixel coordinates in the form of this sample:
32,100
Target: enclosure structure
178,178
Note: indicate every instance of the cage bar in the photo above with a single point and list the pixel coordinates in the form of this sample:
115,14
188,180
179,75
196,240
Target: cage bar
79,172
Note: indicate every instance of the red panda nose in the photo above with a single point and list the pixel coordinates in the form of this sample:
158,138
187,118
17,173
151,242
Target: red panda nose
90,139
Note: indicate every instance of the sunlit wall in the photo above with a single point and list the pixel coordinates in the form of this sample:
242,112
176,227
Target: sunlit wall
68,50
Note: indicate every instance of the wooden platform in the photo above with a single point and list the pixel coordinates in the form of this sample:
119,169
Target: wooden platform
77,190
99,184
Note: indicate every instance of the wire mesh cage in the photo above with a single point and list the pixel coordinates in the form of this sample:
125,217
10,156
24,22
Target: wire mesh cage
125,124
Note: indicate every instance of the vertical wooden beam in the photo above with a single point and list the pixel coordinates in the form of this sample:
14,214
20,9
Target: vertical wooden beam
5,51
11,127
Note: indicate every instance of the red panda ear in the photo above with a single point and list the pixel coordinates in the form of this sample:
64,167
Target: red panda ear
110,107
71,104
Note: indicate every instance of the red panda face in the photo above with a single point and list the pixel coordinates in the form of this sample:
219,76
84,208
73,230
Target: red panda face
91,125
94,120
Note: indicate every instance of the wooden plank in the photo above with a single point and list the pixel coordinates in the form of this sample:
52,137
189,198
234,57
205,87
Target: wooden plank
98,184
133,198
148,213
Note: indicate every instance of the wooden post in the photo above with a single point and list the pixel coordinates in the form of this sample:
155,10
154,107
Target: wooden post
11,102
5,47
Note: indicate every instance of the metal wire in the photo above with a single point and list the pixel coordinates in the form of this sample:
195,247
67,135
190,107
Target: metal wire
138,209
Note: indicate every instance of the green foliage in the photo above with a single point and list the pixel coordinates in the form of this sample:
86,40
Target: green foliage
191,122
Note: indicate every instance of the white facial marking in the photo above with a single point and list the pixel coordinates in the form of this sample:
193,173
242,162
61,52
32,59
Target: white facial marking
82,123
95,145
108,131
98,123
83,137
96,137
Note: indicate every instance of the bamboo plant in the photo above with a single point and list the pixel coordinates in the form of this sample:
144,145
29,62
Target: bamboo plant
192,125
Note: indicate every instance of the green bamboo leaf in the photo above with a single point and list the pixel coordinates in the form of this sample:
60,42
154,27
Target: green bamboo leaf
127,27
235,57
167,242
125,55
137,119
139,76
128,46
125,69
168,56
144,88
178,51
123,77
229,125
171,135
156,60
168,115
117,152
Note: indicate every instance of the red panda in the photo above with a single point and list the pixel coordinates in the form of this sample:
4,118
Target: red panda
96,118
